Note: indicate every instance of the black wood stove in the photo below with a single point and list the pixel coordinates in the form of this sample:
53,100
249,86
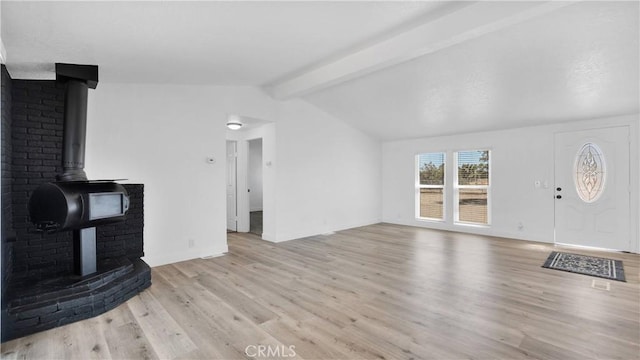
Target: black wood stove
73,202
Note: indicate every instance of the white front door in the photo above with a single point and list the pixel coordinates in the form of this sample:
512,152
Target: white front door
592,188
232,204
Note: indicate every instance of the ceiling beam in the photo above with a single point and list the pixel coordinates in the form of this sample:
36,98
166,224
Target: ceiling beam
466,23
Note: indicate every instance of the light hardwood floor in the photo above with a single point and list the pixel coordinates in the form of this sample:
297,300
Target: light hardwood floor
376,292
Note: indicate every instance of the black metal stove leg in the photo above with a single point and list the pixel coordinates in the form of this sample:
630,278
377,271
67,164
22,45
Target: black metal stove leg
84,251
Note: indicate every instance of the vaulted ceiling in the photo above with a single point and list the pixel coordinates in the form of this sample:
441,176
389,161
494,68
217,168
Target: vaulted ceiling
577,62
394,69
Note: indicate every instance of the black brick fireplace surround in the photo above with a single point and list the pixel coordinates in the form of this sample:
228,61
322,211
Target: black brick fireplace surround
39,288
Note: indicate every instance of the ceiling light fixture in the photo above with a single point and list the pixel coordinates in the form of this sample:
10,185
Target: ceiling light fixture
233,122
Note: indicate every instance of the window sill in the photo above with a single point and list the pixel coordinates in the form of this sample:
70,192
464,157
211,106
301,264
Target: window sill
431,220
482,226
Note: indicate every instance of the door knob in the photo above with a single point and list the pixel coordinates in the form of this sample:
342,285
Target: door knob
558,196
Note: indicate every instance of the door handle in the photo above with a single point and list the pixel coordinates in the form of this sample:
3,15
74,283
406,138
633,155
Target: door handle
558,196
559,189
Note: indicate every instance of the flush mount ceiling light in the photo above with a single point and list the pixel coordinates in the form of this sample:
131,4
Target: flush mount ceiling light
233,122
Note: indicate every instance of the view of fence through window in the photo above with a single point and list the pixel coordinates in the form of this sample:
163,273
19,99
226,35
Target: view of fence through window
431,185
472,186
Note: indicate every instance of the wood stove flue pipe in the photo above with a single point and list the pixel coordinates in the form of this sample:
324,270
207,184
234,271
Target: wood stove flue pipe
78,79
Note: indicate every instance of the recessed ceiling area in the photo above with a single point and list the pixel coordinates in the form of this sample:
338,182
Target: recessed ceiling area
394,70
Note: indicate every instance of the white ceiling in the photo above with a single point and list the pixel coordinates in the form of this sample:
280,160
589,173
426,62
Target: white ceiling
392,69
228,43
578,62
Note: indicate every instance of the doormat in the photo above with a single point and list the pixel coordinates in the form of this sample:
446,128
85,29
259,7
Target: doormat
587,265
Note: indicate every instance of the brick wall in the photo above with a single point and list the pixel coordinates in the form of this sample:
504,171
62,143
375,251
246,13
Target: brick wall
37,115
124,239
7,220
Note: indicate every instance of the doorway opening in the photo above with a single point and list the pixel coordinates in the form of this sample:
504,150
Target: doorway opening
250,172
254,177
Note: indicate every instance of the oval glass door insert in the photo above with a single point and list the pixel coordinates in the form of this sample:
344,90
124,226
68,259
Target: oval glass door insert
590,172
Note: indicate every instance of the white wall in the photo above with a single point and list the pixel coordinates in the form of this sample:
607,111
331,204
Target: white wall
3,52
161,135
255,175
519,158
324,175
329,174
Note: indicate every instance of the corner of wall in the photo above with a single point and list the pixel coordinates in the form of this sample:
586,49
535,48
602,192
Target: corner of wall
3,53
328,173
7,232
635,178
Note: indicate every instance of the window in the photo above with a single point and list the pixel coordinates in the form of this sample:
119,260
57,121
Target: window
472,187
430,186
590,172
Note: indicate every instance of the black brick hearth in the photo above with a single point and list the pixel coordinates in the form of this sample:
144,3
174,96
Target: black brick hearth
63,300
40,290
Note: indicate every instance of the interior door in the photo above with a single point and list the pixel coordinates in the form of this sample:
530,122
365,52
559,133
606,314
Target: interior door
592,188
232,203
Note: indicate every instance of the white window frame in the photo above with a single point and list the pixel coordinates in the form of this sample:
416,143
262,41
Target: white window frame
457,187
419,186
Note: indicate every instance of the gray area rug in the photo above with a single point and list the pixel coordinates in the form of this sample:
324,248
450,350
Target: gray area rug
587,265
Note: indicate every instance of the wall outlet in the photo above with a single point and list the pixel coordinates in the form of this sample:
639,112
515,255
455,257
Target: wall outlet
192,243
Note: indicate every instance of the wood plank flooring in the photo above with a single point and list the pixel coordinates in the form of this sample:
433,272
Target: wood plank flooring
375,292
